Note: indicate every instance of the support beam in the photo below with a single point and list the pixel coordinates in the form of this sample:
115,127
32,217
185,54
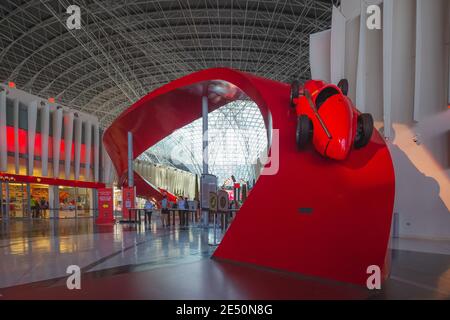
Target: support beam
205,133
68,139
57,128
130,160
3,147
32,117
45,126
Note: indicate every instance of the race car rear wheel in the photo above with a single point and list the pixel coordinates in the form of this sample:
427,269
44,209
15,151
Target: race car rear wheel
343,85
364,130
295,88
304,131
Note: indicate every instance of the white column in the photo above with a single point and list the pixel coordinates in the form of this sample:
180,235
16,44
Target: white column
32,117
57,128
16,137
3,140
68,138
107,166
53,201
430,59
337,46
361,69
319,55
88,144
45,125
388,18
96,151
77,131
205,133
130,160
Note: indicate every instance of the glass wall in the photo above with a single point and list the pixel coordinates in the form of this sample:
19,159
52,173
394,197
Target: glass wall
84,200
67,202
13,200
18,200
75,202
39,200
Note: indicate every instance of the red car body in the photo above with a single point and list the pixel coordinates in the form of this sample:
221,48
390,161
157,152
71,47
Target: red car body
338,115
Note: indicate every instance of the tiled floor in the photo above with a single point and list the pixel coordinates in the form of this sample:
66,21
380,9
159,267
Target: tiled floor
125,262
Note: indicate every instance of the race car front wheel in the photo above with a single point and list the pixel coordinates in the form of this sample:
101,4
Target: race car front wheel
364,130
343,85
304,131
295,88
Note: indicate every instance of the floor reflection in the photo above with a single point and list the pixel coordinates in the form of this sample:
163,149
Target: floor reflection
38,250
172,263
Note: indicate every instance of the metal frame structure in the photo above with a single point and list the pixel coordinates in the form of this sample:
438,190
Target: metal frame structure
126,49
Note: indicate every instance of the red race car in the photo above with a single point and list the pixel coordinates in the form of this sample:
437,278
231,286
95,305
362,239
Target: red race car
328,118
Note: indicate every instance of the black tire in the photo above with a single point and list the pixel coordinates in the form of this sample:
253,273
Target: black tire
364,130
343,85
295,88
304,131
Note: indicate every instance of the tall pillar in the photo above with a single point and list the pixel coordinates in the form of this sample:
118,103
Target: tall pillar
3,146
45,128
96,152
130,160
77,132
53,201
205,133
88,144
68,139
31,130
57,128
205,213
388,18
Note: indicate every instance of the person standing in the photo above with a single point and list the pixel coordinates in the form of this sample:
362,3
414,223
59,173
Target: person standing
43,205
148,207
34,207
165,212
180,206
186,211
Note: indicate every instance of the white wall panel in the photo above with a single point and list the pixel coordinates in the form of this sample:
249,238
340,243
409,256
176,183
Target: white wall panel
16,136
352,38
430,58
403,61
319,55
32,117
88,144
77,132
337,46
45,126
57,131
388,29
68,139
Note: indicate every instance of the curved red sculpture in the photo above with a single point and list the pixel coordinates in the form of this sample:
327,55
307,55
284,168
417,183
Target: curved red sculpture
337,220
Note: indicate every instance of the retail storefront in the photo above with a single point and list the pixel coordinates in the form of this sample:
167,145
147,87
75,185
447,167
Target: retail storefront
51,159
39,197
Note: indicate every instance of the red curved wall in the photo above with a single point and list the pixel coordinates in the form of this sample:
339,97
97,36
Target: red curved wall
349,202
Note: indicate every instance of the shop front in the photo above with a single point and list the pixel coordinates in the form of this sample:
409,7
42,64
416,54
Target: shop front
40,197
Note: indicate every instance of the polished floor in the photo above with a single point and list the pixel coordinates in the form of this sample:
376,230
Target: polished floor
128,262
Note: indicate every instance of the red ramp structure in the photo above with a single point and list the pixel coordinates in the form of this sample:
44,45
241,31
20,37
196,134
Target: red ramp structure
306,214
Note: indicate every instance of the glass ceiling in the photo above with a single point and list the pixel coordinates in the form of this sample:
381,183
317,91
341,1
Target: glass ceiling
237,138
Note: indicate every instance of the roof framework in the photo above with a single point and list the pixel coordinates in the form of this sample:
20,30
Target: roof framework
126,49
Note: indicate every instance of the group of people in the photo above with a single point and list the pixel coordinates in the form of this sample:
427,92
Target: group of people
182,205
39,207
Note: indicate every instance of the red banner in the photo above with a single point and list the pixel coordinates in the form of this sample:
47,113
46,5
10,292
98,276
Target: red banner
105,206
128,195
